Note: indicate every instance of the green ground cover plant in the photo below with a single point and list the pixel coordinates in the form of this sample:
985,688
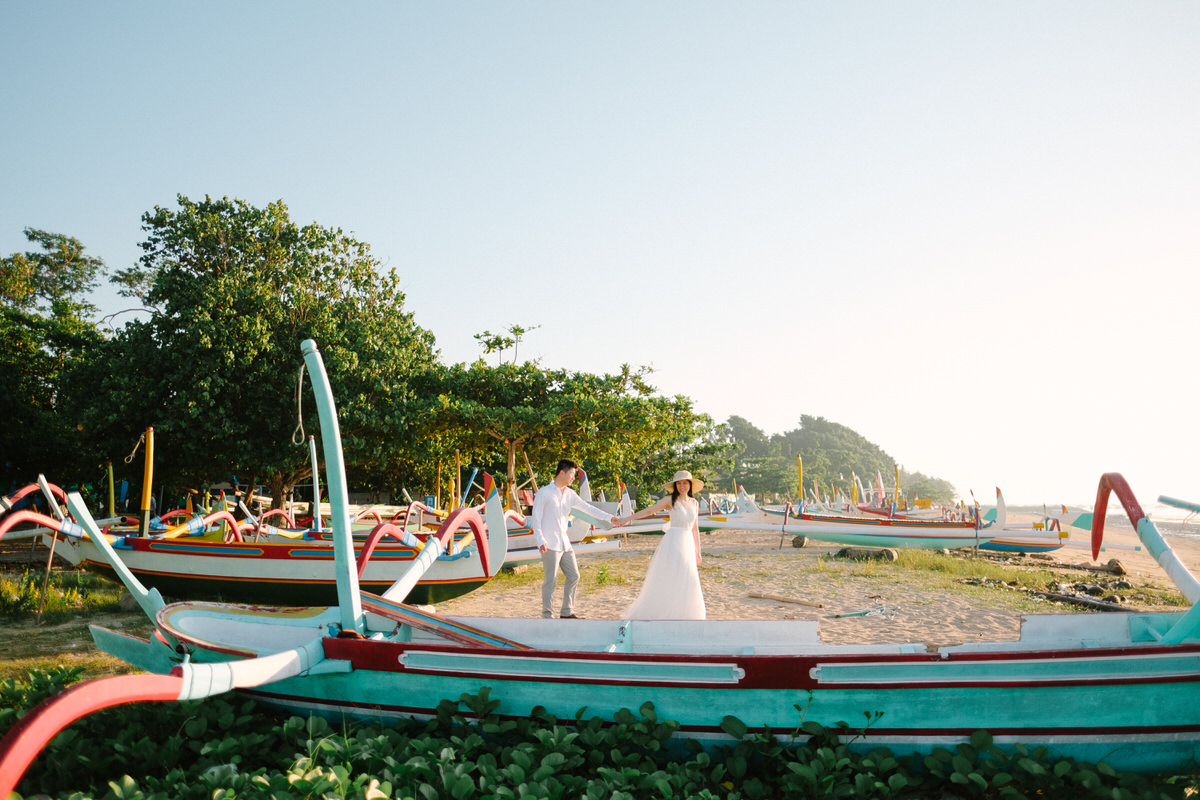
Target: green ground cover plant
225,748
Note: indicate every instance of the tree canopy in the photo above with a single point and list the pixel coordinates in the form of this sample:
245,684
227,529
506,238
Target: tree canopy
215,368
44,327
612,424
831,454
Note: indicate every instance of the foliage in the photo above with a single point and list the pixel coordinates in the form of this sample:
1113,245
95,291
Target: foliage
223,748
69,591
18,696
613,424
54,280
498,342
44,327
214,370
830,453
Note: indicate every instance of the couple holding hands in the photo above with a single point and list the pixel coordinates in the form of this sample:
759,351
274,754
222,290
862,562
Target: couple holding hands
672,586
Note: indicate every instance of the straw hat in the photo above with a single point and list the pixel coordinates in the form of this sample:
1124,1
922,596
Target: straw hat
684,475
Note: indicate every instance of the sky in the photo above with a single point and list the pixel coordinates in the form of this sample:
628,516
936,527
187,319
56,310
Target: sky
968,231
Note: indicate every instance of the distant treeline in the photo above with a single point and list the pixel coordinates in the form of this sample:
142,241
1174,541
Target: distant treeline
830,455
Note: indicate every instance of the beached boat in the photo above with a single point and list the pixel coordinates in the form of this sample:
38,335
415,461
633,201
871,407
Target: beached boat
1046,535
1118,688
296,571
852,531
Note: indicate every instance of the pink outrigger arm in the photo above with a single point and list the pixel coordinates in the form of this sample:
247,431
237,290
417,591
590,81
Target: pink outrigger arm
190,681
35,730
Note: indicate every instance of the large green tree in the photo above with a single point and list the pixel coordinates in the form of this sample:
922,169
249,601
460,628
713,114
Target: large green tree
831,453
614,424
214,369
45,327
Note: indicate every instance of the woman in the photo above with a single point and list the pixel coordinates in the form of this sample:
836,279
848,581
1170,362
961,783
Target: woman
672,586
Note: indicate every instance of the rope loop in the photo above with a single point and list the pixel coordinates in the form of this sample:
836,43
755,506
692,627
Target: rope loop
136,445
298,433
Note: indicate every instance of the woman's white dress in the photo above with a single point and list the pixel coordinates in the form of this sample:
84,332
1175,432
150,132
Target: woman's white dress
672,586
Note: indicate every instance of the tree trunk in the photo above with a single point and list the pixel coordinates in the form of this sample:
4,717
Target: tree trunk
512,476
279,489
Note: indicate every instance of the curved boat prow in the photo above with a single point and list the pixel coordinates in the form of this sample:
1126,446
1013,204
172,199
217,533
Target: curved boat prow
497,528
1185,581
625,507
335,477
745,505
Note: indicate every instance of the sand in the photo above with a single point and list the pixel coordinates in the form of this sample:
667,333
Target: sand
806,583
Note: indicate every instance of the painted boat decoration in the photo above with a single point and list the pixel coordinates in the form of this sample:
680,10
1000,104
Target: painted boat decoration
300,572
587,536
1118,688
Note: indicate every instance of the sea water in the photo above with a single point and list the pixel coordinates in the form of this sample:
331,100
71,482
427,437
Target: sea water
1169,520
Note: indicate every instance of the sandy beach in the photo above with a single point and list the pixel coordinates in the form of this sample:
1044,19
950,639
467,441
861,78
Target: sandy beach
807,583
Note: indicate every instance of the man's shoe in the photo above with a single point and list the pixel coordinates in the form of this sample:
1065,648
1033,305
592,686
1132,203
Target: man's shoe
570,616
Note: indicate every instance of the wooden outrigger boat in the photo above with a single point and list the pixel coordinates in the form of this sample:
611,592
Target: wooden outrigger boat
1045,536
1118,688
293,572
852,531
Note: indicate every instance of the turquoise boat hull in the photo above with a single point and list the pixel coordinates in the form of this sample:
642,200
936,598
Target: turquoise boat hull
1091,687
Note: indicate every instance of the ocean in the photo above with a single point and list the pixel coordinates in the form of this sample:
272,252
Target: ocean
1169,520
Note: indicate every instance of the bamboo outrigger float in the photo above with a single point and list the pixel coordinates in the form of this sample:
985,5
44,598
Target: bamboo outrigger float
1123,689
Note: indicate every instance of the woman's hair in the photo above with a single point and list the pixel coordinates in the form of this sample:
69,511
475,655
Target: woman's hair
675,492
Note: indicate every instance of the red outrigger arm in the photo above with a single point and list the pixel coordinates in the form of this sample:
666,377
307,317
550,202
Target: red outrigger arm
1112,482
34,731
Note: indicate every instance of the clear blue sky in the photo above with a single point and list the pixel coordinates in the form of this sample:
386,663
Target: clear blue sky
969,231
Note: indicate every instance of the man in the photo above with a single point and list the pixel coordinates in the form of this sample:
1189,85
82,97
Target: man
551,514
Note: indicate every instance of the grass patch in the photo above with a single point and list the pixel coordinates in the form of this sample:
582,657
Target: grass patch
66,594
95,664
613,573
73,600
1006,584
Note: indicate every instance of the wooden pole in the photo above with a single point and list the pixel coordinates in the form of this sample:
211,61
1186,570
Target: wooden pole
457,481
147,483
37,620
532,474
58,514
784,600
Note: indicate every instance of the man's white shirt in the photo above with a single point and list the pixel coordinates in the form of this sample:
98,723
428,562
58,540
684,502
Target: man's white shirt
552,512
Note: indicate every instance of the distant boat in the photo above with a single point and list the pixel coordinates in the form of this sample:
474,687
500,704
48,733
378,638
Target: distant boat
851,530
